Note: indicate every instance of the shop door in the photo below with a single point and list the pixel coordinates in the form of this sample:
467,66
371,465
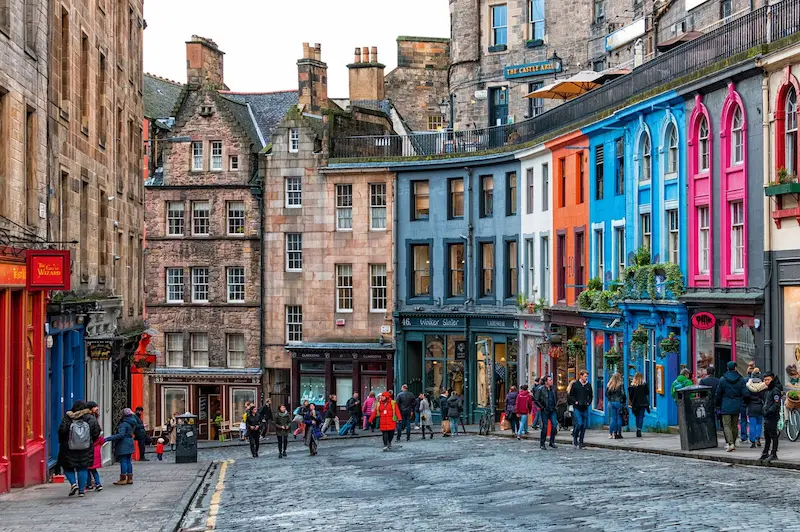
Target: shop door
372,383
413,376
722,355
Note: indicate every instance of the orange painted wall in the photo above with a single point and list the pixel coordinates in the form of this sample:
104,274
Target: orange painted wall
573,217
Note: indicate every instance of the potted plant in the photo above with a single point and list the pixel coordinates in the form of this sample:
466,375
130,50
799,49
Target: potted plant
793,400
670,345
575,346
639,338
785,183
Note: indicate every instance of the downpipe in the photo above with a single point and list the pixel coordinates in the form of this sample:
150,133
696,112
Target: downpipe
767,221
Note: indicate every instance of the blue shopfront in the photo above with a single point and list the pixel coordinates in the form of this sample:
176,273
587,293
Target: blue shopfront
605,346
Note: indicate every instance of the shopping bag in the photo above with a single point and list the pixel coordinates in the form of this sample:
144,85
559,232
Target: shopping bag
446,427
504,423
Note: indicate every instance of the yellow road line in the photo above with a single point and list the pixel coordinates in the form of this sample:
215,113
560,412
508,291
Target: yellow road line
213,508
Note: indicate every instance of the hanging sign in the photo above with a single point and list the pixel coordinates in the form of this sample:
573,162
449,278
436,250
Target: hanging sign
47,269
703,321
461,349
530,69
12,275
100,350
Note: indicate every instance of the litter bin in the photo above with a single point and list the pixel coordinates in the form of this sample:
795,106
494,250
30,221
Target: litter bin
696,418
186,439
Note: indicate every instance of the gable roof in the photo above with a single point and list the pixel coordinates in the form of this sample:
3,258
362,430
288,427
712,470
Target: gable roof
160,96
266,108
241,113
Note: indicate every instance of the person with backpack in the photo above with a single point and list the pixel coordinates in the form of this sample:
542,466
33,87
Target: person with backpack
754,399
354,409
124,446
330,414
94,475
299,417
683,381
369,404
454,406
389,413
406,401
76,436
511,409
523,405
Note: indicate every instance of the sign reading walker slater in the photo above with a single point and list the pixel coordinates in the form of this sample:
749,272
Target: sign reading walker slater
433,323
530,69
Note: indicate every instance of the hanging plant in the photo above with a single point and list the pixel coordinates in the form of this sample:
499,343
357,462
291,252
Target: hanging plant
612,354
639,338
575,346
671,344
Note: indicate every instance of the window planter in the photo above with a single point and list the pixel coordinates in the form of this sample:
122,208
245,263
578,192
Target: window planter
777,192
534,43
781,189
498,48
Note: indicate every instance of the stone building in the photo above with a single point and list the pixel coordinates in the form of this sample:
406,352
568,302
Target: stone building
204,245
418,85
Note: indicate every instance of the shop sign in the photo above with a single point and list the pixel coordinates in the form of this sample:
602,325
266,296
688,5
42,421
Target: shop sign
495,323
100,350
530,69
625,35
433,323
12,274
703,321
530,325
461,349
48,269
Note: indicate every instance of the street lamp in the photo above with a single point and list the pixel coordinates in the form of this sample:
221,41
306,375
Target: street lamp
556,62
443,107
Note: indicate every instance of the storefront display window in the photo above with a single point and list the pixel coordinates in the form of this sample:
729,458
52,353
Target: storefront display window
173,400
240,396
598,350
370,383
533,359
745,343
568,364
704,349
442,370
312,389
791,337
481,379
344,388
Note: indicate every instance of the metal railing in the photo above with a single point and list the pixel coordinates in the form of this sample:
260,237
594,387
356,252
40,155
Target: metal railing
761,26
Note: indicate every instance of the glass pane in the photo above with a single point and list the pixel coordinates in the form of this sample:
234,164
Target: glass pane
370,383
455,376
312,389
791,335
704,350
312,366
724,331
238,398
174,401
513,350
344,389
434,380
598,350
451,345
481,380
343,367
745,343
434,346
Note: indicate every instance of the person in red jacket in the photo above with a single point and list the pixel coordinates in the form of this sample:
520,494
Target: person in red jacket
524,409
388,412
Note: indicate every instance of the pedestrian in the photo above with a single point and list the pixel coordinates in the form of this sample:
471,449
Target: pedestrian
615,397
354,408
454,411
142,439
511,409
299,418
330,414
253,424
389,413
744,421
282,421
124,446
683,381
446,428
771,413
523,405
730,400
76,436
536,412
712,381
160,449
93,482
639,393
580,399
313,422
369,405
265,417
425,415
405,401
172,430
546,399
218,422
754,399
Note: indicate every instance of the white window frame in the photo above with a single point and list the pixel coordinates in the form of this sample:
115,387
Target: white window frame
530,264
176,275
737,237
344,207
645,158
673,156
737,136
646,230
293,187
378,291
230,208
600,254
790,142
228,350
703,158
169,349
197,156
233,163
294,252
294,324
236,284
216,156
673,235
176,218
344,288
203,219
196,348
294,140
200,278
620,251
703,239
377,205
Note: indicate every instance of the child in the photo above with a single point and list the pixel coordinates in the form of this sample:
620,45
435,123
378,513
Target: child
218,421
160,449
94,475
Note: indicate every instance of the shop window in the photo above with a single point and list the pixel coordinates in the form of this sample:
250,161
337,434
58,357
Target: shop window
420,200
344,207
455,194
344,388
173,399
598,352
239,397
745,343
487,196
486,282
511,194
791,338
377,206
484,351
704,351
421,267
455,257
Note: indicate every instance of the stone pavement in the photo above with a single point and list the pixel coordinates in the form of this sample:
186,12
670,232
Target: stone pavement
156,501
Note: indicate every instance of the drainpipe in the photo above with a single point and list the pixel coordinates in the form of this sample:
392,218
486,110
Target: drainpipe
261,276
395,296
767,224
470,230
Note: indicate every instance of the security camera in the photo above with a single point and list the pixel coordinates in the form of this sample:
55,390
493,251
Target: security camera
613,323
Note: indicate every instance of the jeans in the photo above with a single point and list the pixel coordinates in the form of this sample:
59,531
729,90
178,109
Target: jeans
523,424
756,427
454,426
581,420
639,413
283,441
553,419
771,434
537,416
388,435
330,421
416,420
81,480
142,446
95,476
125,464
729,426
404,421
614,422
743,425
513,421
254,437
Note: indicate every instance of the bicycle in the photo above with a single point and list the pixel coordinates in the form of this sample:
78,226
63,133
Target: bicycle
486,423
791,423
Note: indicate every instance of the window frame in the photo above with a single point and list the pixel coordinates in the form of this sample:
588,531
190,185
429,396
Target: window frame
619,166
545,187
600,254
417,214
703,228
293,192
290,312
599,165
194,348
737,142
535,105
499,29
205,219
234,286
532,22
620,251
449,246
703,145
789,135
344,292
228,337
177,220
412,271
215,163
673,151
374,288
673,235
342,206
196,284
738,253
233,163
530,189
451,195
512,187
486,203
511,273
181,284
482,295
294,140
293,248
378,201
231,219
646,230
530,267
645,158
169,348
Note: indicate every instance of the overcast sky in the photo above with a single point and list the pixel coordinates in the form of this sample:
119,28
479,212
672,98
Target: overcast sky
263,39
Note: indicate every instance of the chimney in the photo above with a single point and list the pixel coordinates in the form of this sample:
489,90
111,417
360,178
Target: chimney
366,75
312,78
204,64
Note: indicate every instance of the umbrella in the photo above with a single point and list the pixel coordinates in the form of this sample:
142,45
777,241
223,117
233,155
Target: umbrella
566,89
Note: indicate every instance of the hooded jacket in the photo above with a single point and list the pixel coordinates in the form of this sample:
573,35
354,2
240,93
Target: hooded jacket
369,405
454,406
772,401
754,398
77,458
730,393
511,402
681,382
524,403
388,411
282,419
123,439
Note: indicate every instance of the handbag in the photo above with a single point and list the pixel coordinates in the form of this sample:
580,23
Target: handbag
625,415
445,426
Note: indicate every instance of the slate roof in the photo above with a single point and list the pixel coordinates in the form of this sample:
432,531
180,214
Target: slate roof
268,108
241,113
160,96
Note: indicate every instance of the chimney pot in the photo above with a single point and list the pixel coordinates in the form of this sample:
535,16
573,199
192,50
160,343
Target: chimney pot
318,51
306,51
357,56
373,55
365,54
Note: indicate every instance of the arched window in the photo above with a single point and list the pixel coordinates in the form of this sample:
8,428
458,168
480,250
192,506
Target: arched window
702,144
737,136
644,157
672,149
790,153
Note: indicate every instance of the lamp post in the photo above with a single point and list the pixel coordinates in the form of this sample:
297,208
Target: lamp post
443,106
556,62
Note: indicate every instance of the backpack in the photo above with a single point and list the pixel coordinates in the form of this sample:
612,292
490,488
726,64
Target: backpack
80,437
325,407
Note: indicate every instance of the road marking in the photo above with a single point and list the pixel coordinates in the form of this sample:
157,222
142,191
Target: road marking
213,509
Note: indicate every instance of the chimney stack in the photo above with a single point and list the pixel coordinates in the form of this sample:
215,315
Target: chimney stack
357,56
366,75
312,78
204,64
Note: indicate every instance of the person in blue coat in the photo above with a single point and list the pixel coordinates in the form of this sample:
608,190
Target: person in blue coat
730,399
313,422
124,446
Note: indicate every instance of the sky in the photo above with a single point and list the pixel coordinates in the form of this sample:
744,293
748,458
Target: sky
263,39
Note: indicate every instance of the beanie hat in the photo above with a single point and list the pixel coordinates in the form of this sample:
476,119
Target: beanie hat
127,412
731,365
161,440
769,374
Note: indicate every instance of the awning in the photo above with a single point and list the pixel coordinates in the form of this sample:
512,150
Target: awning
569,88
612,73
677,41
723,298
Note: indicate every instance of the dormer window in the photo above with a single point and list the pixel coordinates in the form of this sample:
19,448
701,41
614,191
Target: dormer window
294,140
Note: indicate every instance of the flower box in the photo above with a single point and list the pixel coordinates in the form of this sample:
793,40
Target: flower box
498,48
534,43
784,188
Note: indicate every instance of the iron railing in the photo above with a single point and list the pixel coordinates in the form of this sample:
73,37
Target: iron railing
761,26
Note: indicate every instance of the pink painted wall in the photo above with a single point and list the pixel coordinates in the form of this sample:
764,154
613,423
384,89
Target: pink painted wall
700,194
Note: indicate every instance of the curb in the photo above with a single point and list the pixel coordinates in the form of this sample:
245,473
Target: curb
174,523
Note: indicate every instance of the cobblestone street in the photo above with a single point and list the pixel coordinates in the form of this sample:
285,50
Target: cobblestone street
478,483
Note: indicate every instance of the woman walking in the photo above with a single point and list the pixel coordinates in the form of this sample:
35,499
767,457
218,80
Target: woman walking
123,446
754,399
299,418
425,415
368,407
639,400
251,421
511,409
76,436
172,430
282,421
389,413
615,395
313,422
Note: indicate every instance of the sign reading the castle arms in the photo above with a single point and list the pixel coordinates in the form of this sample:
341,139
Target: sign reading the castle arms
48,269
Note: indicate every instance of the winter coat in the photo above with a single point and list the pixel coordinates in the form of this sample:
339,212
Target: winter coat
616,396
681,382
713,382
252,422
389,413
123,439
173,431
98,452
313,421
369,404
754,398
354,407
265,414
281,420
639,396
730,393
405,400
511,402
454,406
772,402
330,413
524,403
580,395
75,458
139,433
546,399
425,415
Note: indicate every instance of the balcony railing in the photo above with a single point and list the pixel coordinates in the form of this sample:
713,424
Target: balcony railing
761,26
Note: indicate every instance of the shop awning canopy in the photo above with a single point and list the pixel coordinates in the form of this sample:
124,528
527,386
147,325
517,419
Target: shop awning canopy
679,40
751,297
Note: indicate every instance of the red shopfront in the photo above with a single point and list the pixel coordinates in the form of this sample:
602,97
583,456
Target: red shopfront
24,278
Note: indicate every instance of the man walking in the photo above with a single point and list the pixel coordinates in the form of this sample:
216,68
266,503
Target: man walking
405,402
547,399
330,414
730,398
265,417
354,408
524,407
454,406
140,435
580,398
711,380
772,413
